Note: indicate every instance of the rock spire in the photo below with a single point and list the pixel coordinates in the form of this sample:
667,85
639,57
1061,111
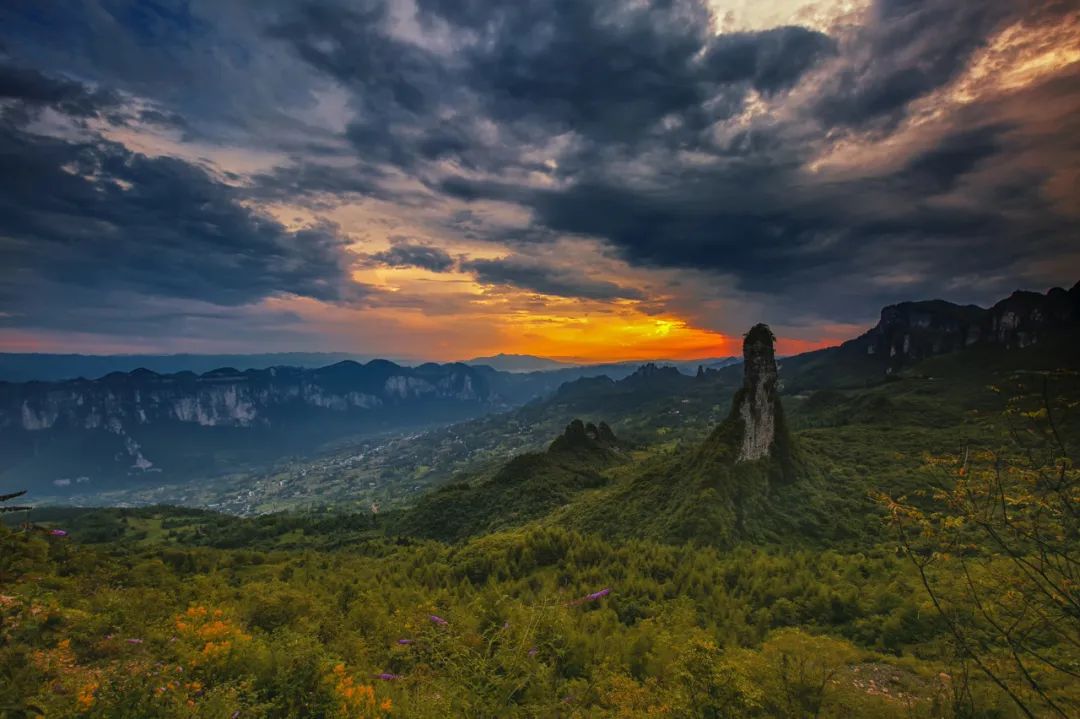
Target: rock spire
756,403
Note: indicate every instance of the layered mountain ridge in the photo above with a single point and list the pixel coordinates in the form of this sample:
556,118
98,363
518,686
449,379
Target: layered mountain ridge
90,434
229,397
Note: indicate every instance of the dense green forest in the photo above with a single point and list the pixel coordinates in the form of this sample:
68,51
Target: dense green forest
907,550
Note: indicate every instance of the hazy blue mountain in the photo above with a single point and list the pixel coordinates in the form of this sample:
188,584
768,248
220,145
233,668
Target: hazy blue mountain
28,367
620,370
132,426
143,428
519,363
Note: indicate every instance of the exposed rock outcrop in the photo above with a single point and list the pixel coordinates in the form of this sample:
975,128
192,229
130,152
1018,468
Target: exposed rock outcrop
911,331
756,403
651,372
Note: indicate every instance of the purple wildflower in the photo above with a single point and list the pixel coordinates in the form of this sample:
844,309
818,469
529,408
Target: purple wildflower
533,652
134,641
598,595
387,676
57,532
438,620
404,642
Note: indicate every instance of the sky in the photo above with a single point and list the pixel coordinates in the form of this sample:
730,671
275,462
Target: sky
601,180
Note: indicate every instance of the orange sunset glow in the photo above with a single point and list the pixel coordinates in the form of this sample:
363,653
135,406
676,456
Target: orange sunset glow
599,339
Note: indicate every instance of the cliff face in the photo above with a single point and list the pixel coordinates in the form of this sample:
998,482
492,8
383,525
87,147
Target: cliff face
915,330
229,398
756,404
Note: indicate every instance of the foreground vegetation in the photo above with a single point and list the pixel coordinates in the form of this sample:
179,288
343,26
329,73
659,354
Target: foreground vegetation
501,626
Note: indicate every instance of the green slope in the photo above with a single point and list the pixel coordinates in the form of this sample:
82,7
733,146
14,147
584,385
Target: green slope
528,487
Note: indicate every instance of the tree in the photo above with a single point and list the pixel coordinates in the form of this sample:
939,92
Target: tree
995,545
711,686
803,669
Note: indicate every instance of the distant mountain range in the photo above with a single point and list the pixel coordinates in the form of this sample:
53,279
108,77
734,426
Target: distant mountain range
28,367
126,426
43,367
133,426
519,363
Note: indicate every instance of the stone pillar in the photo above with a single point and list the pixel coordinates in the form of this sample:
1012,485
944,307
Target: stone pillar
757,400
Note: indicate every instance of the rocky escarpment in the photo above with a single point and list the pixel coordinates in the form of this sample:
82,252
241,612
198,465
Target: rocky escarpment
756,404
585,435
230,398
911,331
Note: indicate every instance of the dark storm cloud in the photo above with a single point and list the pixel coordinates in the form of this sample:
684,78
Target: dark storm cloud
403,253
771,60
93,214
532,275
630,122
604,69
693,227
396,85
318,184
609,71
206,61
351,43
941,168
907,49
32,89
762,225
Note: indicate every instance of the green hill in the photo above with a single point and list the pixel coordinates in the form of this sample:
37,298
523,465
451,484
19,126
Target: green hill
528,487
